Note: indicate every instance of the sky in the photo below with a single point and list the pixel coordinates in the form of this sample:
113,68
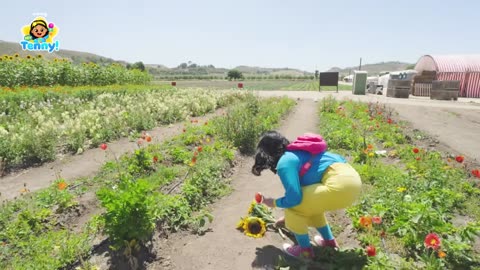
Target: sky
303,34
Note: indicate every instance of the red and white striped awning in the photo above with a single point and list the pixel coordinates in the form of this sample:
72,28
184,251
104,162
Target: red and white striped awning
465,68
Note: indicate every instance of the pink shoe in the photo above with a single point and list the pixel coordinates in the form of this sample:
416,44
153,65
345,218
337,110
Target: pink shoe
298,252
325,243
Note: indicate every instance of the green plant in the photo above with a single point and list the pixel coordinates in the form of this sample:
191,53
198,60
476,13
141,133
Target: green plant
131,211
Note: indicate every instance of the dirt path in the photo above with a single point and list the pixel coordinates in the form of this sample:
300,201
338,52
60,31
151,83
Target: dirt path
225,247
87,164
455,124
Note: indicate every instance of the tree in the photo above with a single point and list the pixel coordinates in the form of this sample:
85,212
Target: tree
183,66
316,74
137,65
412,66
234,75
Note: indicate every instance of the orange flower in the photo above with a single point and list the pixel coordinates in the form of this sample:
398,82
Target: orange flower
449,159
199,149
377,220
432,240
365,222
459,159
370,147
441,254
155,159
148,138
62,185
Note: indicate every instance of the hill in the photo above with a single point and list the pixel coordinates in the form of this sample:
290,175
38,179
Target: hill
11,48
374,69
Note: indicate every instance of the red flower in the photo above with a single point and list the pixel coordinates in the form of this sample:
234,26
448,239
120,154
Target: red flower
258,197
390,121
415,150
377,220
371,251
199,149
103,146
459,159
476,173
194,160
155,159
432,240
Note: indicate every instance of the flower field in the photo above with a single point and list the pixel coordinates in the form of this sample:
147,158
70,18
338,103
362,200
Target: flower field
16,71
163,187
419,208
36,125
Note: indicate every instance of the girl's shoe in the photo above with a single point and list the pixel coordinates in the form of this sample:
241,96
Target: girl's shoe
298,252
325,243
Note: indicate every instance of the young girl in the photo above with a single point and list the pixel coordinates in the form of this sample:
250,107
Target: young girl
315,182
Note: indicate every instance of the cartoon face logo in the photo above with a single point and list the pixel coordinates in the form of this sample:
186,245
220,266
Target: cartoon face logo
39,31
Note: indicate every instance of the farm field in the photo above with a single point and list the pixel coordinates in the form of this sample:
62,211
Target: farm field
260,85
185,184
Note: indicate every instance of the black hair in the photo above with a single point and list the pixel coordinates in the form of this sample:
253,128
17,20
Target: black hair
270,149
39,22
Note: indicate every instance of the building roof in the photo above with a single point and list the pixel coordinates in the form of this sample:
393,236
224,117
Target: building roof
448,63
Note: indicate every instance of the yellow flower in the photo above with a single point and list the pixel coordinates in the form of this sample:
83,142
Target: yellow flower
442,254
371,154
254,227
401,189
240,223
250,209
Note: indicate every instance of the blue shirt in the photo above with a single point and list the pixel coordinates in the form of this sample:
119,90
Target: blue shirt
288,169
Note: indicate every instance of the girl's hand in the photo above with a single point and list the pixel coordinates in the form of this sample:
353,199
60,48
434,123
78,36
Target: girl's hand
269,202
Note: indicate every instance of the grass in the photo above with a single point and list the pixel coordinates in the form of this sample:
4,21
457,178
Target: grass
292,85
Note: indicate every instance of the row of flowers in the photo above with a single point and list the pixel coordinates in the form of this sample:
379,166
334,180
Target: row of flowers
36,131
402,205
35,71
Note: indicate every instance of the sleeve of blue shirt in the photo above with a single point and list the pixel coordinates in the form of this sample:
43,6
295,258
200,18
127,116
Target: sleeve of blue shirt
287,169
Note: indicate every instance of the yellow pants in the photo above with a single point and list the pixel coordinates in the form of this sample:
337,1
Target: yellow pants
340,188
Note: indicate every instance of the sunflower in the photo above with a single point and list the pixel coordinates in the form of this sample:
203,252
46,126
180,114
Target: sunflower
39,56
254,227
16,55
252,205
28,57
240,223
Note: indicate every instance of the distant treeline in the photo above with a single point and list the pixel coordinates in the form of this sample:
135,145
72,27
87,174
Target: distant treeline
221,77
